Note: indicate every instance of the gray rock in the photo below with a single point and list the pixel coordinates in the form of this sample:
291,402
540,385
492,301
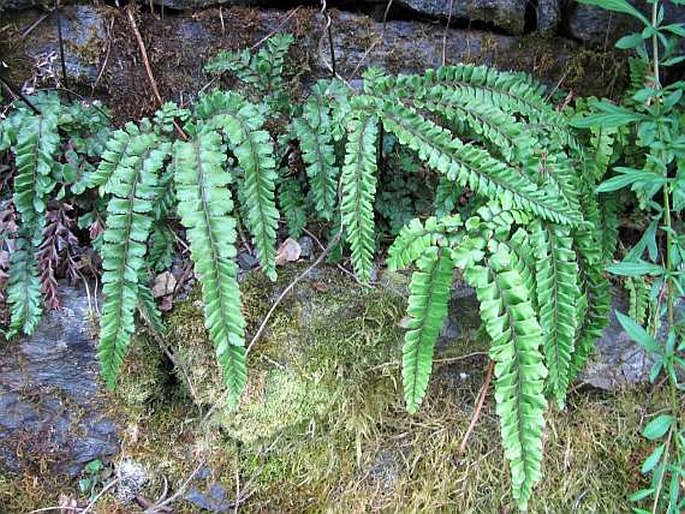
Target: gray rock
213,499
84,35
619,361
548,15
508,15
591,24
51,409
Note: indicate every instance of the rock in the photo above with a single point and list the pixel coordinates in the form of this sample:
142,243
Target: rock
548,15
508,15
132,477
52,411
214,499
591,24
179,45
618,361
84,32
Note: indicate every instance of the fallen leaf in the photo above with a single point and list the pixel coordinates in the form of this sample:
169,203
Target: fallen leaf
165,283
289,251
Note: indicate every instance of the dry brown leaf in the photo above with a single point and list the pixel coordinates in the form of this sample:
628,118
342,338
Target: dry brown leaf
289,251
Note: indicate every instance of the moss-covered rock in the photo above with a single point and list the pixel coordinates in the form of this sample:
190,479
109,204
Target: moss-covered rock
330,330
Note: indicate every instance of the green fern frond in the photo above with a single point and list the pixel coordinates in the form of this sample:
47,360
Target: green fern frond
638,295
416,237
358,186
472,166
292,203
23,291
597,296
116,152
133,186
313,130
608,207
511,323
557,293
205,205
37,143
241,123
429,295
161,252
147,307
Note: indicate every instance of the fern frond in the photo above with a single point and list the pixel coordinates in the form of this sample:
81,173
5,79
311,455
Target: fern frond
147,307
115,155
557,292
416,237
313,130
608,207
133,186
429,294
37,144
291,201
509,318
241,123
23,291
638,294
472,166
358,185
597,296
205,206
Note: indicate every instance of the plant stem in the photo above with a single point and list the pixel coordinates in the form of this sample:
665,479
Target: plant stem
655,46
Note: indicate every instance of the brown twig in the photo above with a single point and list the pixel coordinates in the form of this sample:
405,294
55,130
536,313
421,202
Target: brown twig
376,42
444,34
274,31
479,405
290,286
148,69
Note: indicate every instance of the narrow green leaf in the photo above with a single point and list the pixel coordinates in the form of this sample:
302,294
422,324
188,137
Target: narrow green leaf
658,427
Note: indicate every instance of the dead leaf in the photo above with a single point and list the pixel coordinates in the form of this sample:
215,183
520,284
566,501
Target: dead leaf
289,251
165,283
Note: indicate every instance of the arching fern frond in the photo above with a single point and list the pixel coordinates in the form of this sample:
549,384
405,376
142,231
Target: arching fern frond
241,123
133,186
416,237
472,166
358,185
313,130
429,294
37,143
511,323
557,293
205,206
23,291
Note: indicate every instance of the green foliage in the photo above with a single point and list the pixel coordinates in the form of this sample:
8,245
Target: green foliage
53,151
651,162
504,160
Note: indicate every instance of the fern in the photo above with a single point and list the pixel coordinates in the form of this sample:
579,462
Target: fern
358,186
428,299
241,123
511,323
292,203
133,186
469,165
23,292
557,293
314,133
205,205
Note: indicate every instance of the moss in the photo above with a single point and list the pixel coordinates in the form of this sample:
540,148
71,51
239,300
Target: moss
143,374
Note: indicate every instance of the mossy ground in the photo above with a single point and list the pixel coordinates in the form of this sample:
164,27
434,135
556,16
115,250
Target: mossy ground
322,426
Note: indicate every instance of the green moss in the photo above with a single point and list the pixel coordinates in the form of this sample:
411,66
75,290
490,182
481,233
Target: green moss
143,374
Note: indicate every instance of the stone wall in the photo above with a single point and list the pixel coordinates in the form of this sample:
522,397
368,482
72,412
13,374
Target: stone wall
562,43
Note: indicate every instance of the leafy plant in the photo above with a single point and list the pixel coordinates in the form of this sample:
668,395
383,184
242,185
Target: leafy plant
530,242
96,474
650,121
54,149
